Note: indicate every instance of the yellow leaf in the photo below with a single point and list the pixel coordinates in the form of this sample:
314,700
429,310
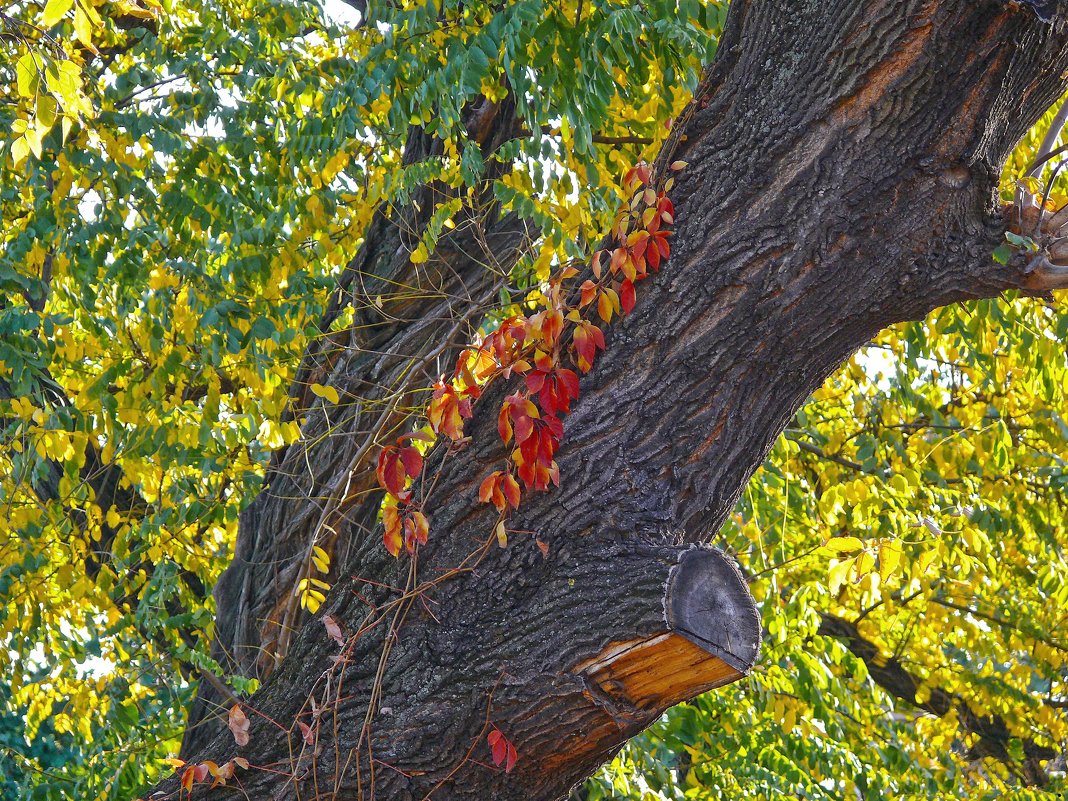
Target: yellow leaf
134,10
865,562
83,28
899,484
923,563
843,544
329,393
312,600
837,574
789,720
419,255
19,150
33,141
45,115
271,435
889,557
54,11
290,431
27,75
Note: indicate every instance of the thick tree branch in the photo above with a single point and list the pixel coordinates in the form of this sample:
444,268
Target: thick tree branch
889,673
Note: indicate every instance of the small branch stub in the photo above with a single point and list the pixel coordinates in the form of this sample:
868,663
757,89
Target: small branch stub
711,638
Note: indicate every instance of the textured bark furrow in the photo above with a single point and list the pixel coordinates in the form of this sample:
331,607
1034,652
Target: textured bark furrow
843,166
515,650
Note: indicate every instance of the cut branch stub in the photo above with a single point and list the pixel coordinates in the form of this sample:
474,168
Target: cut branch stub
711,638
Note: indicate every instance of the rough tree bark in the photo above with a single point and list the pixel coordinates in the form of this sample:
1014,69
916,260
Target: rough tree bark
844,158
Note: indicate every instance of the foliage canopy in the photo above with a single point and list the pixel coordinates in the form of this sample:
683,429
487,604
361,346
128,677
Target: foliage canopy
182,184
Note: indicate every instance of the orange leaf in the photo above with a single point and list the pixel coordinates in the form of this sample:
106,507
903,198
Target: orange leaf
517,412
238,724
589,292
596,262
391,536
447,411
485,490
586,339
416,529
510,488
604,307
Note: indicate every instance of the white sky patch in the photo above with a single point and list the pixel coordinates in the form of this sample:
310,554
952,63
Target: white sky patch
341,14
92,667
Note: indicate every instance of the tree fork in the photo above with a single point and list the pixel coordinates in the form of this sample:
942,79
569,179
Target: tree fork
843,170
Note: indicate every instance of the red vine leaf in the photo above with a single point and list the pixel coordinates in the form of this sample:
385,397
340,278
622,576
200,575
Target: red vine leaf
636,176
412,461
502,751
390,470
506,342
555,387
626,296
534,458
500,489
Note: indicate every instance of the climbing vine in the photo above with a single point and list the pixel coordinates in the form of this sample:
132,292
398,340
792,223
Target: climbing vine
539,347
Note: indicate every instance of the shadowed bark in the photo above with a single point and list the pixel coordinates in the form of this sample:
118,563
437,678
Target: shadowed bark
843,163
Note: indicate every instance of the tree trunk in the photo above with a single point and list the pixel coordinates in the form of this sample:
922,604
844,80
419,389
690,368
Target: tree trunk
843,163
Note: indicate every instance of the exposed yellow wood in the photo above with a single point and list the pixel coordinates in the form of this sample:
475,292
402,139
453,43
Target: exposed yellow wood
657,672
